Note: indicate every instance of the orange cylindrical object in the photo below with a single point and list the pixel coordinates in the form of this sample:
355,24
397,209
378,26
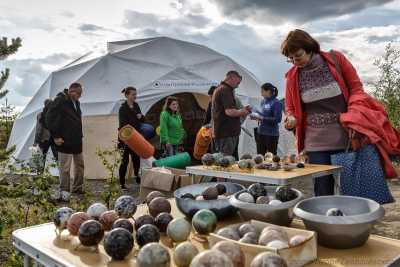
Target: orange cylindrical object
203,140
136,142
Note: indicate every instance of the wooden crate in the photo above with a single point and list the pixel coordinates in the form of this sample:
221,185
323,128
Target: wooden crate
295,256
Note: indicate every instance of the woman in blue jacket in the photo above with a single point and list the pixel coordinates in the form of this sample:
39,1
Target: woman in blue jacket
268,116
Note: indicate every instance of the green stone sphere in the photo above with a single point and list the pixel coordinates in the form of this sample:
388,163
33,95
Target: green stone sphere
204,221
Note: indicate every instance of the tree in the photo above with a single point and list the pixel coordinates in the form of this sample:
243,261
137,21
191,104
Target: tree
387,86
6,49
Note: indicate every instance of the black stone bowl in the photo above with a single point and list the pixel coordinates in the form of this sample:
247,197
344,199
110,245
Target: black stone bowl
221,207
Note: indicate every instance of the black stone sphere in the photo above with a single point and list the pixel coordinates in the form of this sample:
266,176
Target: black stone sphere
257,190
188,195
221,189
146,234
285,193
142,220
118,243
162,220
123,223
91,233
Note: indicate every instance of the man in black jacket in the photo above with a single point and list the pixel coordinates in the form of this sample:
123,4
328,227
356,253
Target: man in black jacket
64,120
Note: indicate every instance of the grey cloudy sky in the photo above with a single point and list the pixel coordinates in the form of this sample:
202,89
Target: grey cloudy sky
249,31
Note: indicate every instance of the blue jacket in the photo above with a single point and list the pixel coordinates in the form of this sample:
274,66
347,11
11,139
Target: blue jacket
271,112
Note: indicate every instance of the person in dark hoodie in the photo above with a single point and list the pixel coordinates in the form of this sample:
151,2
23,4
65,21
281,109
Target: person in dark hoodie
130,113
64,121
269,116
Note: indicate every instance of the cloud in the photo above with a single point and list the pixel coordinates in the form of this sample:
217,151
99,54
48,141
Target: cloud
139,20
279,12
90,27
67,14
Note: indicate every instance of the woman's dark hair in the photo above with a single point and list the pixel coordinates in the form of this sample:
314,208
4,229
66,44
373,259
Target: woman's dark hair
299,39
211,90
168,102
127,90
270,87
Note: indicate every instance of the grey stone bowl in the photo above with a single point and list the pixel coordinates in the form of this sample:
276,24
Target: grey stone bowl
280,215
221,207
340,232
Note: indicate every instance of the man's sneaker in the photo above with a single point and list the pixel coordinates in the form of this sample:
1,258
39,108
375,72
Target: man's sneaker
65,196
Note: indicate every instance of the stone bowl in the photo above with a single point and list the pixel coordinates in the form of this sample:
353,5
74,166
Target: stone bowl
221,207
280,214
340,232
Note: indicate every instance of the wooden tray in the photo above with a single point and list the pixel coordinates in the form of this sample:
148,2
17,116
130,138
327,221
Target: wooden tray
295,256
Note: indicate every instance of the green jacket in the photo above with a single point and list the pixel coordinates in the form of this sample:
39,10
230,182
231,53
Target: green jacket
171,128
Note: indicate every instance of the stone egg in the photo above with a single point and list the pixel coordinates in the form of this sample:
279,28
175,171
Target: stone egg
250,238
297,240
159,205
262,200
142,220
95,210
153,255
123,223
231,159
118,243
199,197
162,220
246,197
233,251
257,190
276,159
91,233
148,233
211,258
229,232
277,229
258,159
275,202
217,156
247,228
125,206
278,244
268,259
246,156
221,189
300,165
285,193
179,230
271,235
250,163
293,158
334,212
269,156
224,162
204,221
61,217
152,195
188,196
108,218
210,193
207,159
184,254
243,164
75,221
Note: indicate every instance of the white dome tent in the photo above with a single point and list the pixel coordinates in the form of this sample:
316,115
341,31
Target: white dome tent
157,67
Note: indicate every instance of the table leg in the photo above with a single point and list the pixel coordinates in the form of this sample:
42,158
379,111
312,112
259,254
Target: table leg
336,176
192,176
26,261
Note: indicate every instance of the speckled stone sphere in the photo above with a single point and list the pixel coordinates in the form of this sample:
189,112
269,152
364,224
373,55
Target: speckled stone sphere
257,190
148,233
211,258
152,195
229,232
61,217
142,220
210,193
123,223
184,254
246,197
75,221
108,218
247,228
179,230
262,200
162,220
153,255
95,210
91,233
118,243
233,251
268,259
204,221
125,206
159,205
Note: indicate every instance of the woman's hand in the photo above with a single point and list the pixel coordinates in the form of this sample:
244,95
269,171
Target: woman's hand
290,122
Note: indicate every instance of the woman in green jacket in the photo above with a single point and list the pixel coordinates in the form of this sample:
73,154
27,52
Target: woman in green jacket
171,128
